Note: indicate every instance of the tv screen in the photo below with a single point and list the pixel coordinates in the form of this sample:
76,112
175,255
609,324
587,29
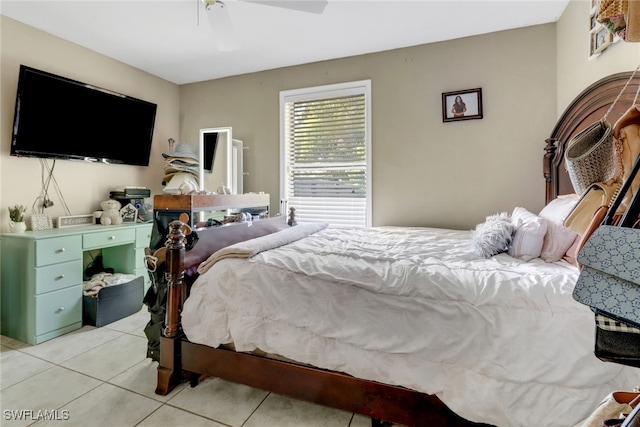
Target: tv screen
60,118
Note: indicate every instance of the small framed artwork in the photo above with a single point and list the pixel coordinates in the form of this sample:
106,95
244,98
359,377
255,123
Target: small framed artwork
129,213
601,38
462,105
41,222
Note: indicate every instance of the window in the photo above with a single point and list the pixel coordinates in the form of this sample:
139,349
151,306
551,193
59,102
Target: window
325,153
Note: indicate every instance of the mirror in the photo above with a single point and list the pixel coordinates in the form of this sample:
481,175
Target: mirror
215,153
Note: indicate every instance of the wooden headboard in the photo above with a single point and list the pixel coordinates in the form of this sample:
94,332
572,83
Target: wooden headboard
588,107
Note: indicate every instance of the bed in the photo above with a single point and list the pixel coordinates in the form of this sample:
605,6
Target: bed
494,341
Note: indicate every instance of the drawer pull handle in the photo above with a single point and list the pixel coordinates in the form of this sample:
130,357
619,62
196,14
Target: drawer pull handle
60,277
60,310
112,237
60,250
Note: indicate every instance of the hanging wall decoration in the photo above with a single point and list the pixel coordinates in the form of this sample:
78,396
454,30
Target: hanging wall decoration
462,105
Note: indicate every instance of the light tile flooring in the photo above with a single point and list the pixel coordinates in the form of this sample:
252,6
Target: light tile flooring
101,377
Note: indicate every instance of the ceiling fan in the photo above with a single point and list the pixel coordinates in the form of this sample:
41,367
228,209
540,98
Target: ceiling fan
222,27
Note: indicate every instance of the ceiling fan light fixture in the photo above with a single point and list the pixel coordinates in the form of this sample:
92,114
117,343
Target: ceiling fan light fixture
221,26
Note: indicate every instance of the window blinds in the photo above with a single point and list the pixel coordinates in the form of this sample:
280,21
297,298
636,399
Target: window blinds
326,159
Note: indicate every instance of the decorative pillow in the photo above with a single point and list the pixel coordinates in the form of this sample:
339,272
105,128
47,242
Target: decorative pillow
528,236
572,252
492,236
558,209
558,238
556,242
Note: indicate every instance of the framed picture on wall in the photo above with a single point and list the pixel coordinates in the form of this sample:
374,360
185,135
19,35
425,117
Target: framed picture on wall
462,105
600,39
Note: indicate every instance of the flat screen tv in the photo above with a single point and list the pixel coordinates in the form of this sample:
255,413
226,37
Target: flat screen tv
60,118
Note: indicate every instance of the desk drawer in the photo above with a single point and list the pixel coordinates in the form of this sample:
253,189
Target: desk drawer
58,276
141,262
143,236
107,238
55,310
60,249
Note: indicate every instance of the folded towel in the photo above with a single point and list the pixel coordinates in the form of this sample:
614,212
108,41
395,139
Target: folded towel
251,247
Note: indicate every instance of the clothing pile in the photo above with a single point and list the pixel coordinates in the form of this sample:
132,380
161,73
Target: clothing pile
181,171
91,288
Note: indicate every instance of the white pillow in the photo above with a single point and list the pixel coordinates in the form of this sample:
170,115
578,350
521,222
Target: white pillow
528,237
492,236
556,242
558,209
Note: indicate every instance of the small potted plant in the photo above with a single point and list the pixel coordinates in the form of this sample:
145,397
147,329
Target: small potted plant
16,214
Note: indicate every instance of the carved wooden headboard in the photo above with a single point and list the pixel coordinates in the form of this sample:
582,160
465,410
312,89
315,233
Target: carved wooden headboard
588,107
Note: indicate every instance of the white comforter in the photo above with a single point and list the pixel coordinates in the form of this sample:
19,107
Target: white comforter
498,340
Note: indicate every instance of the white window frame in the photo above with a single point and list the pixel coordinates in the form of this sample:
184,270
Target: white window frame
324,92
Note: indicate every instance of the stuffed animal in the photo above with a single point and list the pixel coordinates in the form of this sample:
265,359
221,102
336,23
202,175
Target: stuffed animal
110,214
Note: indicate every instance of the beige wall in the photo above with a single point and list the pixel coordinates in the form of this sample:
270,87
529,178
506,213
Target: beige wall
576,70
82,185
425,172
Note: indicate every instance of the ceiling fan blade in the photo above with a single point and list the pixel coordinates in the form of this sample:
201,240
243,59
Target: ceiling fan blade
311,6
222,27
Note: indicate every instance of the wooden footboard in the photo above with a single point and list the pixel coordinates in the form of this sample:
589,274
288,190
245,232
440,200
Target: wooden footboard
337,390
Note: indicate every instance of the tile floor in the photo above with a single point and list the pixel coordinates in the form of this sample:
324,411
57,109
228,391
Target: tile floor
72,378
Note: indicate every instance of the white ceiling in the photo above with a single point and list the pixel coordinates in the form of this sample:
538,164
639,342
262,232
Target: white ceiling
173,39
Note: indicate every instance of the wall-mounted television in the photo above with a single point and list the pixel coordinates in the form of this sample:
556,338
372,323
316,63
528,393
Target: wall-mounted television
60,118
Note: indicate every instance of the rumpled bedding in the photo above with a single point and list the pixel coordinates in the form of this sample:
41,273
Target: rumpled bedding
499,340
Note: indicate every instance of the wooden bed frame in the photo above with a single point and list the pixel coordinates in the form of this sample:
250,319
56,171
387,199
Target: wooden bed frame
182,360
